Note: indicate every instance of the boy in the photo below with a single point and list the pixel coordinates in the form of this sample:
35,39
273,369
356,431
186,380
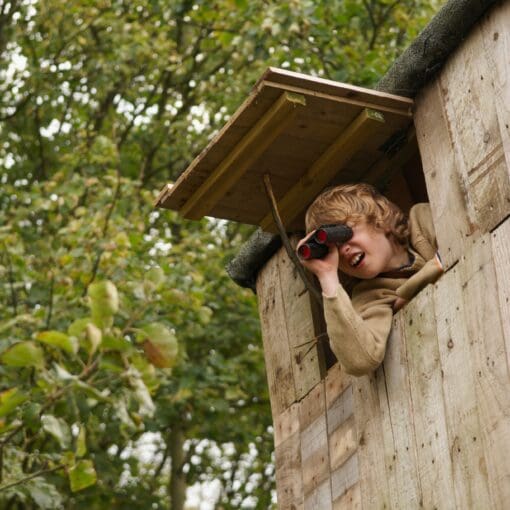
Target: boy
390,259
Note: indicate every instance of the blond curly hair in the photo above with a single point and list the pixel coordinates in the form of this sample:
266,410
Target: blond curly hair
354,203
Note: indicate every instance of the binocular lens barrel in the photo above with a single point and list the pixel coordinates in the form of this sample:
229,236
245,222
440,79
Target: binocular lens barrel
312,250
333,234
316,247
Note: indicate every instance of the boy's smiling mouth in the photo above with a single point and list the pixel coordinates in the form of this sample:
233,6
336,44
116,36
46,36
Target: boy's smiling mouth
356,260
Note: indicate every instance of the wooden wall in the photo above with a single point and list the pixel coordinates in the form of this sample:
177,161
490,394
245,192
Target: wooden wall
431,427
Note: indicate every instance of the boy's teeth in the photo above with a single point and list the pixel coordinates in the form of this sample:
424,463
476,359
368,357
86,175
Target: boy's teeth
356,259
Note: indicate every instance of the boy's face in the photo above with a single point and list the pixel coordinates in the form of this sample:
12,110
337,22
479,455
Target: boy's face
369,252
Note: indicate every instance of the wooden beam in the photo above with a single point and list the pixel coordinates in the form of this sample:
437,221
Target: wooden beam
325,168
404,109
244,154
391,163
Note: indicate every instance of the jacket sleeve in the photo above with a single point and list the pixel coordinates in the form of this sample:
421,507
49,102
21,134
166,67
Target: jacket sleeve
358,331
429,273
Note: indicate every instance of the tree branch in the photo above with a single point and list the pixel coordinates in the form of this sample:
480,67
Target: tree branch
33,475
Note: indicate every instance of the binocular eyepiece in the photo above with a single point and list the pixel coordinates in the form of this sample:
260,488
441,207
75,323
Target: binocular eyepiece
316,247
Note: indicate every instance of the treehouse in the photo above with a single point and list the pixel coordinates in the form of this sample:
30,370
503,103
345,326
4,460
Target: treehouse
431,427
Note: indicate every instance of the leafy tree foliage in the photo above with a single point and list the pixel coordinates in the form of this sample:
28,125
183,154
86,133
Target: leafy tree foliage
118,320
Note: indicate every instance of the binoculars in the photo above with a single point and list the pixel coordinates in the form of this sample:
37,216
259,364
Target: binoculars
316,247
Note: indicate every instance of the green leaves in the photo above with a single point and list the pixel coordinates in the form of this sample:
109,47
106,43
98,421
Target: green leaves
160,344
58,428
23,354
60,340
104,302
10,399
82,475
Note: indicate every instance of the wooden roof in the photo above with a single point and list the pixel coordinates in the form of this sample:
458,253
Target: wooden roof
305,133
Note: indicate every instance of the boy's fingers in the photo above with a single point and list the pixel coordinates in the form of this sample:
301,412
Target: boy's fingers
399,303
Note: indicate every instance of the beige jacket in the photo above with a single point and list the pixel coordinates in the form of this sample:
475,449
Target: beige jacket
359,329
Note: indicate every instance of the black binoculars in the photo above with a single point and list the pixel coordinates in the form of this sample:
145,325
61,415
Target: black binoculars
316,247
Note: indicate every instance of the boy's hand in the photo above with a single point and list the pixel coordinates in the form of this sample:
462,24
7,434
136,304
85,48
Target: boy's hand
399,303
326,269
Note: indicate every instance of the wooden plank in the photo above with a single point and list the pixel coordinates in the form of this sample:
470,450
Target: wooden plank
306,356
496,37
342,443
350,500
286,424
433,458
397,432
471,109
289,482
325,168
445,184
254,143
336,383
501,254
372,468
341,410
483,320
392,161
465,443
349,100
319,498
335,88
314,440
312,406
345,483
277,352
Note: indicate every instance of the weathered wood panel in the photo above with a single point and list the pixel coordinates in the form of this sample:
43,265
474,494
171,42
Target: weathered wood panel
468,82
314,444
501,252
398,421
459,389
445,185
289,483
308,366
496,38
277,352
351,500
463,130
434,465
345,486
483,321
373,476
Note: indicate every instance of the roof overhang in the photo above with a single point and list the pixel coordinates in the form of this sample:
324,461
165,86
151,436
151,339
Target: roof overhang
304,133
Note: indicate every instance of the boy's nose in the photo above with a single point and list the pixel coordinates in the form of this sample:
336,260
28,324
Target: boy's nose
344,249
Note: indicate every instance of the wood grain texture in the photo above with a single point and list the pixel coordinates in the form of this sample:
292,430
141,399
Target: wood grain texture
345,483
286,424
483,322
465,443
342,443
314,440
433,459
397,418
370,455
468,82
277,352
349,500
445,183
289,474
319,498
495,30
308,366
501,252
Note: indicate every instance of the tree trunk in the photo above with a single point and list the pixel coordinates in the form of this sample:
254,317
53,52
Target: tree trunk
177,486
